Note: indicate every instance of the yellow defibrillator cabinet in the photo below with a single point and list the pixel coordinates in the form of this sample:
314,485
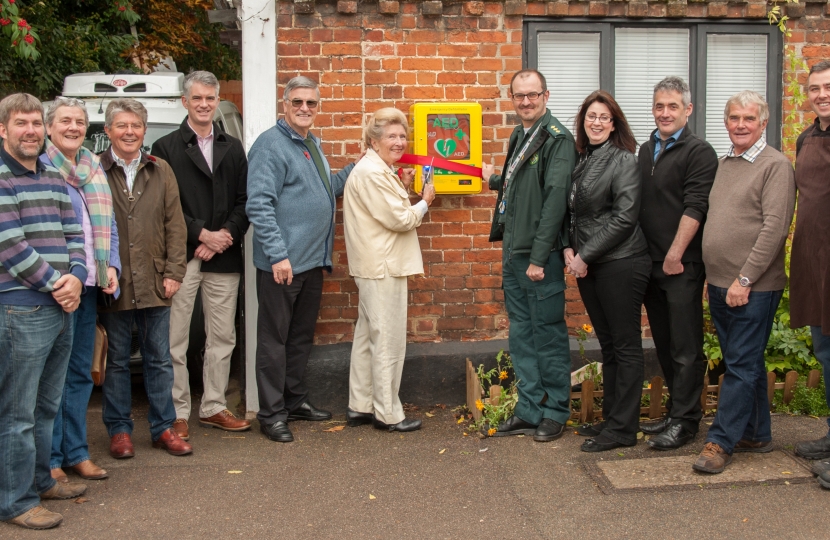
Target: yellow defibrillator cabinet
450,131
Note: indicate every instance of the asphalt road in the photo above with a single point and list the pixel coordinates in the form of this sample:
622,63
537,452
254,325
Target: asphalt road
435,483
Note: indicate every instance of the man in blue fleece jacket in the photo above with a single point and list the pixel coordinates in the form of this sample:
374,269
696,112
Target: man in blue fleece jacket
291,205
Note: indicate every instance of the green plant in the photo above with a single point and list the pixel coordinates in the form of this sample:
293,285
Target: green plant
492,414
811,401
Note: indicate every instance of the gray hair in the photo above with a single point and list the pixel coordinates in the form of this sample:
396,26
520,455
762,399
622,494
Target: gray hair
675,84
300,82
745,98
824,65
18,103
382,118
202,77
71,102
122,105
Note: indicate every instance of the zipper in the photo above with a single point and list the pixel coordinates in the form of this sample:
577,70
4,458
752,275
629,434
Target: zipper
654,162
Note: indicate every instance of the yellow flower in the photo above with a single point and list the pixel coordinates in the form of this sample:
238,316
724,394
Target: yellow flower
491,432
479,405
502,375
587,328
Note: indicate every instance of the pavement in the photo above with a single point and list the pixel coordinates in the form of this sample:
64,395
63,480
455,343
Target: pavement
435,483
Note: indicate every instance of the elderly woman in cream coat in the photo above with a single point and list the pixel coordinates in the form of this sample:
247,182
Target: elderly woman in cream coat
383,249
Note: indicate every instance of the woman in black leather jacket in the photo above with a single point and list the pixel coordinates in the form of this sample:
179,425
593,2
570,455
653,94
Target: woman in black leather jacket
609,257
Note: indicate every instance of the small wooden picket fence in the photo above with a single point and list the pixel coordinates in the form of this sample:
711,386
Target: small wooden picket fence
708,397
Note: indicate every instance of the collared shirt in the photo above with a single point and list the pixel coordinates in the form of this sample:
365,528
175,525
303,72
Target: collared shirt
130,169
205,145
752,153
669,143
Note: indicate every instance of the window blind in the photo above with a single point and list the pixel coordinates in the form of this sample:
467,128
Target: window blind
570,63
734,62
643,57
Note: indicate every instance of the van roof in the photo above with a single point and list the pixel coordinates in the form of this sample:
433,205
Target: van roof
100,84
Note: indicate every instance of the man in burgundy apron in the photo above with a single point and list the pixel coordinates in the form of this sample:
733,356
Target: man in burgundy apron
810,261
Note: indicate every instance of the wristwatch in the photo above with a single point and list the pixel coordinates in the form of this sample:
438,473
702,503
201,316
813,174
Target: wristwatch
744,281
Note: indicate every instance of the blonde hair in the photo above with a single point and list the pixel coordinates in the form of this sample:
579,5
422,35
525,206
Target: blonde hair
377,124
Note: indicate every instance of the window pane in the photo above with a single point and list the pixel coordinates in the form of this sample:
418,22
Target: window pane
570,63
734,62
643,57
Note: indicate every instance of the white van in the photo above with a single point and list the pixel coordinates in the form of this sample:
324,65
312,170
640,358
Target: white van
159,92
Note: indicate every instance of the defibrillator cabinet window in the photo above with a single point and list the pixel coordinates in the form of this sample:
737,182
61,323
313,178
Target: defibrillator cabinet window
448,136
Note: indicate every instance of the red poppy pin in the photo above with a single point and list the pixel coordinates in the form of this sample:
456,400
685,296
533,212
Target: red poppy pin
307,155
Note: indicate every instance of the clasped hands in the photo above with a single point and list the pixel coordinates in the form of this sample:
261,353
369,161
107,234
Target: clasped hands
574,264
213,243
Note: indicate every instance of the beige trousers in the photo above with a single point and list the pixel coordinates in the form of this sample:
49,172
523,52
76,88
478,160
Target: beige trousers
219,293
379,348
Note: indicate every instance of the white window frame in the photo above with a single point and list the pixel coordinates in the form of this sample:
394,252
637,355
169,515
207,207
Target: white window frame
698,31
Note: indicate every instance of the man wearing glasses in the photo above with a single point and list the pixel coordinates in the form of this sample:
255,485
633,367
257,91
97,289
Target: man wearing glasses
530,218
291,204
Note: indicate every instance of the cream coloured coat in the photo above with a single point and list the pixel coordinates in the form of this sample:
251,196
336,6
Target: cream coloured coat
380,222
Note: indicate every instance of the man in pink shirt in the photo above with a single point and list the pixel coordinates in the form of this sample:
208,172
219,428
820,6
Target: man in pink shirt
211,170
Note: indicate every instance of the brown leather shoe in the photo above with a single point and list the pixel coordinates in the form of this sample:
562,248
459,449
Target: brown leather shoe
181,428
121,446
38,518
227,421
69,490
756,447
174,444
88,470
59,475
712,459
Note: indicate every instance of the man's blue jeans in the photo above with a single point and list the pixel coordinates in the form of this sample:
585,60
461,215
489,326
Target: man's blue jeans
821,350
154,341
69,446
539,346
743,332
35,342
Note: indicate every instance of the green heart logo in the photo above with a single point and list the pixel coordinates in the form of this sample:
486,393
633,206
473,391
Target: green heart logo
445,147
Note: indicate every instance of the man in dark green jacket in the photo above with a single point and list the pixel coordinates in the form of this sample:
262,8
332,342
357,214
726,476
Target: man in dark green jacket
531,219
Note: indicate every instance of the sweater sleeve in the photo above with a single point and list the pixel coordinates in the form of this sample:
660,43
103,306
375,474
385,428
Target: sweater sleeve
20,259
777,205
700,175
557,180
338,181
266,178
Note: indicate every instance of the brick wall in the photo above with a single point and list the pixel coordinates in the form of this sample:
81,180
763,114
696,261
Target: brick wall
368,55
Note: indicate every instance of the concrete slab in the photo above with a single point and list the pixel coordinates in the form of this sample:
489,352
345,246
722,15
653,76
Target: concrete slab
676,471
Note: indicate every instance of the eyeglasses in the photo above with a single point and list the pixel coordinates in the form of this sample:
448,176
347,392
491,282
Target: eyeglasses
310,103
532,96
604,119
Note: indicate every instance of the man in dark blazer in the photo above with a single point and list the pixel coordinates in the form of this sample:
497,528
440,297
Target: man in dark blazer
211,170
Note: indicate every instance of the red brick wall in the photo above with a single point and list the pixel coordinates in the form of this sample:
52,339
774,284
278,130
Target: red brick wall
370,55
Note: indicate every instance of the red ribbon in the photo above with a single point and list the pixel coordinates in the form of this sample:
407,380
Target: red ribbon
412,159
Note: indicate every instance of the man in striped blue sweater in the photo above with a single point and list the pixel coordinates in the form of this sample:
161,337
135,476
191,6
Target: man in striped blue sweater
43,269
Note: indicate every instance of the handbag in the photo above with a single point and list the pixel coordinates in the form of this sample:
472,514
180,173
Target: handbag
99,355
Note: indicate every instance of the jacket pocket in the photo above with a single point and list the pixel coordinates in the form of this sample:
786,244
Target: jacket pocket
550,302
160,264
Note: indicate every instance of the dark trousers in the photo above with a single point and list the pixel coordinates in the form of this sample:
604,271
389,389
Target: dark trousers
613,296
285,334
538,341
743,332
675,313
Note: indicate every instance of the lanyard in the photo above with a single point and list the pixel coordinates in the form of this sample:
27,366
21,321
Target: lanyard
517,159
512,168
